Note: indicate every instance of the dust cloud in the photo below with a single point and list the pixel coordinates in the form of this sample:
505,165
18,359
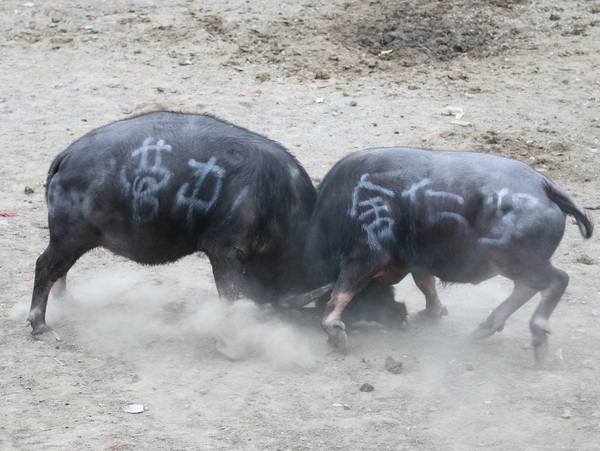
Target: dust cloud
124,314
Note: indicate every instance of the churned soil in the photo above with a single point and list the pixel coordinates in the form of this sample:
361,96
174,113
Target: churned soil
515,78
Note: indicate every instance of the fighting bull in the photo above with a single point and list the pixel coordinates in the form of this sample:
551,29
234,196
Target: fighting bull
460,216
163,185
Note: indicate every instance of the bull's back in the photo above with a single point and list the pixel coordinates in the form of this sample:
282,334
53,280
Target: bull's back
163,185
446,212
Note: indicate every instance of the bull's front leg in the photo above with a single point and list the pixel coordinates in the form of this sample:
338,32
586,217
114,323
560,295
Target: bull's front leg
352,279
332,320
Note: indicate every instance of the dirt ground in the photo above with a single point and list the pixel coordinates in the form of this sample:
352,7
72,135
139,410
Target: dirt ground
318,77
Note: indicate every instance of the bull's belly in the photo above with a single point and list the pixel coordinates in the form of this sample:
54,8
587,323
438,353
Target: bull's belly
148,250
456,265
473,272
466,274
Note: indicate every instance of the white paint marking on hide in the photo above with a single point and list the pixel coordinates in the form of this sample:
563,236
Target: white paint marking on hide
373,210
235,205
197,201
363,183
450,215
505,231
509,226
430,194
380,226
149,179
411,192
495,241
524,200
503,192
445,195
238,200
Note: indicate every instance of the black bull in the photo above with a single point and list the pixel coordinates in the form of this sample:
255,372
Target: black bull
462,217
163,185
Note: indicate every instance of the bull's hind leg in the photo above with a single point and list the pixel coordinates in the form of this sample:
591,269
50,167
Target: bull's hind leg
59,289
495,322
51,266
558,281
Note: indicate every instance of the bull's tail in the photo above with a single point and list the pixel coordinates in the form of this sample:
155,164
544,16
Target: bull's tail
52,171
564,202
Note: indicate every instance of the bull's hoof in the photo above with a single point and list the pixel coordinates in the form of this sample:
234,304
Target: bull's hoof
40,327
338,343
338,340
485,330
489,327
432,315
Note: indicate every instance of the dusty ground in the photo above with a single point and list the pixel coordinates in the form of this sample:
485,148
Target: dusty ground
525,73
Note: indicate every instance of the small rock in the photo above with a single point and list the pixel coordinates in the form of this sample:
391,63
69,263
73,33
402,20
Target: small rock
321,75
554,17
366,387
133,408
461,123
353,103
392,365
583,259
263,76
28,190
339,404
114,83
566,414
455,111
